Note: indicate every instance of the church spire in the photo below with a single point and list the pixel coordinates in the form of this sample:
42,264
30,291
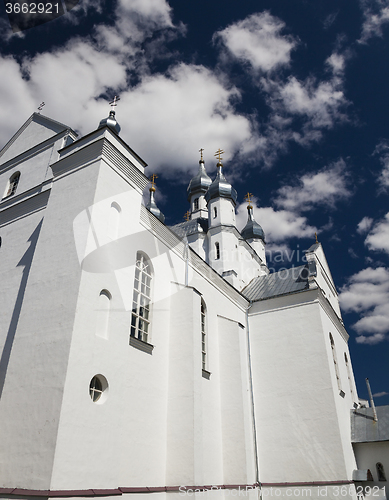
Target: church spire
201,181
252,229
151,205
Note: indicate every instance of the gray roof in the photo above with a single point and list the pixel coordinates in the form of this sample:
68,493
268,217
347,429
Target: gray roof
283,282
199,225
363,427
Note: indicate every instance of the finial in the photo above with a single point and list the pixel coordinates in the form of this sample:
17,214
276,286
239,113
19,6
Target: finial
187,216
218,153
316,238
201,153
114,101
152,179
40,107
247,197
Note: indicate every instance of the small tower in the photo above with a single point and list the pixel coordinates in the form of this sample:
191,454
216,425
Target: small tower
223,237
253,232
197,188
151,205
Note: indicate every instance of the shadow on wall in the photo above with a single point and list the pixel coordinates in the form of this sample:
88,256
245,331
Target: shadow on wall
26,262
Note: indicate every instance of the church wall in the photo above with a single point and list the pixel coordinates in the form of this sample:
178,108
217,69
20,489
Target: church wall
343,397
38,361
367,456
298,432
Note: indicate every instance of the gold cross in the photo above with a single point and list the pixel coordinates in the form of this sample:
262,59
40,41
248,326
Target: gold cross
316,238
247,197
152,178
201,152
113,103
41,106
219,152
187,216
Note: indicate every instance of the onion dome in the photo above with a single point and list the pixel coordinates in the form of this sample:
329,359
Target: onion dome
151,205
220,187
252,229
200,182
110,122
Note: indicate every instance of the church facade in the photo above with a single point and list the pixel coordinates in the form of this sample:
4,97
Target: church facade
141,360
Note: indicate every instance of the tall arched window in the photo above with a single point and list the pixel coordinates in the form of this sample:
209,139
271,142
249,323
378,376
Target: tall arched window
102,319
335,361
214,212
12,184
380,472
141,302
196,204
203,336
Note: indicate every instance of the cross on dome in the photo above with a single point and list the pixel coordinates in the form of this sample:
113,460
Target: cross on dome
247,198
218,153
40,107
152,179
201,153
187,216
114,101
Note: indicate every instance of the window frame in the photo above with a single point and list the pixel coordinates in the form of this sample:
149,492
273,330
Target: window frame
12,185
140,327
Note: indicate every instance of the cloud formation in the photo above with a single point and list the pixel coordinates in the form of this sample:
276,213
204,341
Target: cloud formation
376,15
323,188
378,238
367,293
258,42
365,225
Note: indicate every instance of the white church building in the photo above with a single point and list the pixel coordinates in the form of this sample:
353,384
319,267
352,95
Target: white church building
154,362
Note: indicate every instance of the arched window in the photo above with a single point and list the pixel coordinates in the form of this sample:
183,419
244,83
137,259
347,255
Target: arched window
217,251
12,184
335,361
380,472
141,301
203,336
196,204
214,212
102,317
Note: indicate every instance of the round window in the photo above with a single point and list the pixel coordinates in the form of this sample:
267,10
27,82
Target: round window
98,389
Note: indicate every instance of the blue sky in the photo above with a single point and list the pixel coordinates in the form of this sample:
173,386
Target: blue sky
295,93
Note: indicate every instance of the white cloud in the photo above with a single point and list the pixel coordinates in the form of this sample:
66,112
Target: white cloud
376,15
380,394
257,40
378,238
323,188
365,225
367,293
382,150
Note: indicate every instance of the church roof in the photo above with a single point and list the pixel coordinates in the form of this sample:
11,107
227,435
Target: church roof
199,225
283,282
200,182
363,427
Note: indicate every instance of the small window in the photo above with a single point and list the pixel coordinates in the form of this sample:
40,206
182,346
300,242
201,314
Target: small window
102,316
196,204
12,185
141,302
114,221
98,389
349,375
217,251
214,212
380,472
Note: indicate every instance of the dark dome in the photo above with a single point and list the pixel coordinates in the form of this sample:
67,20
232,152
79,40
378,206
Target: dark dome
110,122
252,229
200,182
221,188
